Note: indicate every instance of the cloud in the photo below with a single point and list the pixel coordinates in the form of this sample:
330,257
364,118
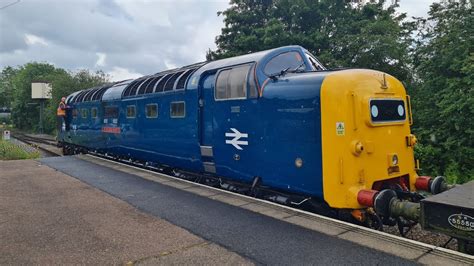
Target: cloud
121,37
119,73
31,39
100,60
170,65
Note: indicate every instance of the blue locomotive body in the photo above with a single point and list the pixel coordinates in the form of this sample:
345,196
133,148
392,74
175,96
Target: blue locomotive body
238,118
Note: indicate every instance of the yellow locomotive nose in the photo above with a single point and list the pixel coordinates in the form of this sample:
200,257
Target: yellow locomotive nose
366,137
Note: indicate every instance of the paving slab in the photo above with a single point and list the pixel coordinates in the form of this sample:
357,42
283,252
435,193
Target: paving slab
257,237
48,217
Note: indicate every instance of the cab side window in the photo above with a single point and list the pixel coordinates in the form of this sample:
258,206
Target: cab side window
287,60
232,83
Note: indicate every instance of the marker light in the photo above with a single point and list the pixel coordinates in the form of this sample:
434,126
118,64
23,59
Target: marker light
401,110
394,159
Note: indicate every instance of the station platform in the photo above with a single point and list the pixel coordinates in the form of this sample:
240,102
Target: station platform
81,209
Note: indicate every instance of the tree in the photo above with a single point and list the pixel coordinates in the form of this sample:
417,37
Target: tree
6,86
25,111
443,104
339,32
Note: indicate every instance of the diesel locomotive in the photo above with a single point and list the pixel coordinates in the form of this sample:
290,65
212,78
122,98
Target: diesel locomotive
275,123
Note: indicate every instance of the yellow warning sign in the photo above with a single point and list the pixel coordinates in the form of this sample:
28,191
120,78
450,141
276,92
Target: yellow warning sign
340,128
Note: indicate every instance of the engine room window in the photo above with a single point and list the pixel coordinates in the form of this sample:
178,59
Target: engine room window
111,112
94,112
84,113
131,112
74,113
177,110
232,83
288,60
151,110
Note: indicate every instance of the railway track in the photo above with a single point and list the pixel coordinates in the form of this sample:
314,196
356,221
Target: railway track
38,143
416,234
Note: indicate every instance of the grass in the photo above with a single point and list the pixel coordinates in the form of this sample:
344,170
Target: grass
10,151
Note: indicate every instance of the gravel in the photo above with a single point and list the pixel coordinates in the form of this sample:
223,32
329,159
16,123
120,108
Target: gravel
418,234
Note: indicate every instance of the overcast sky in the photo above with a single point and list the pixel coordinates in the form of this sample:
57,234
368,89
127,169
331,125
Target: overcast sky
125,38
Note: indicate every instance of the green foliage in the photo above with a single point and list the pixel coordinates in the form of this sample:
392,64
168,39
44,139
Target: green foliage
6,86
10,151
341,34
443,98
25,111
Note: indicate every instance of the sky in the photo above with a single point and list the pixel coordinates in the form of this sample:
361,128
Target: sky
124,38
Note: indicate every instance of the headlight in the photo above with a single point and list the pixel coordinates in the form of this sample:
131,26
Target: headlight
374,111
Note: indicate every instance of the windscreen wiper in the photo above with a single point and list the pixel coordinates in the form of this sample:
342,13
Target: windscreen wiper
287,70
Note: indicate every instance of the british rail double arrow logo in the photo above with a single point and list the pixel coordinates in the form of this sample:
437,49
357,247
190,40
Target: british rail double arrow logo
236,135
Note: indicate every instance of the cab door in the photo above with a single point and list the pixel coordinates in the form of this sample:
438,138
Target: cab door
229,122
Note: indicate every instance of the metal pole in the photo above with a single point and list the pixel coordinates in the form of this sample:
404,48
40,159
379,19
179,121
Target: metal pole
41,115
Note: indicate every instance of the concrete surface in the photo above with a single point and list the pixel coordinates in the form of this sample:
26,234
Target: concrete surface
47,217
258,237
398,246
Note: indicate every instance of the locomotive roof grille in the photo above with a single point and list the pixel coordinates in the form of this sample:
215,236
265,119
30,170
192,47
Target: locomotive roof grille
161,85
143,85
170,83
169,80
161,82
100,93
93,94
80,96
88,96
149,88
182,80
134,87
128,89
